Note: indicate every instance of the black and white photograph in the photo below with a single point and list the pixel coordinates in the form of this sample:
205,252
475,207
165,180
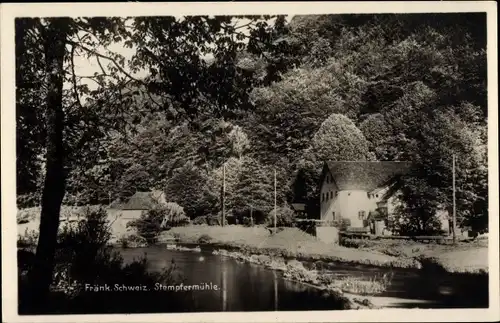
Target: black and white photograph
219,160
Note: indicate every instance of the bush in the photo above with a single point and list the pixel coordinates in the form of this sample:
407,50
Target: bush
354,285
356,243
408,222
200,220
173,215
161,217
285,217
208,220
205,238
83,256
216,219
132,241
28,240
28,200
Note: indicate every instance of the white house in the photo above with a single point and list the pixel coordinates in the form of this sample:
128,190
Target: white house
353,190
121,213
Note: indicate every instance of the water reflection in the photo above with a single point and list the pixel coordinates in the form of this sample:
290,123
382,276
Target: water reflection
275,278
224,269
248,287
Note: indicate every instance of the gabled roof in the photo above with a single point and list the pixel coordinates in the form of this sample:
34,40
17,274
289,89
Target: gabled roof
365,175
298,206
139,201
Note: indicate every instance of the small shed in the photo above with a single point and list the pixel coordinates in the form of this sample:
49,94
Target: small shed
299,209
137,203
377,222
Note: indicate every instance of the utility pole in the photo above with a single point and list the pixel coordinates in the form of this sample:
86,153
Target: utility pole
275,201
454,222
251,215
223,194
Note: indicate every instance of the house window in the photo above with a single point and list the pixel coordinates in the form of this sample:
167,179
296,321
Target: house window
322,197
361,215
331,194
333,216
336,193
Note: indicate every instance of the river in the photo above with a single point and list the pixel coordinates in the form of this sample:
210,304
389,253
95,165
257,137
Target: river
249,287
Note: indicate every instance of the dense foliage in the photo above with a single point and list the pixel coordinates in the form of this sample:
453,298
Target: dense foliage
383,87
83,256
248,96
160,217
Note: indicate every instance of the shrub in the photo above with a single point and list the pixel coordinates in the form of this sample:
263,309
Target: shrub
83,256
123,242
200,220
148,225
216,220
28,200
173,215
411,222
356,243
213,220
247,221
28,240
159,218
132,241
355,285
205,238
285,217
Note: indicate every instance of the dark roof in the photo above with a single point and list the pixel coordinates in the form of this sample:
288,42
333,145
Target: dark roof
365,175
299,206
138,201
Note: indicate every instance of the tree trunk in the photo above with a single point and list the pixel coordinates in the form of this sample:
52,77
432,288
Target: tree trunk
40,276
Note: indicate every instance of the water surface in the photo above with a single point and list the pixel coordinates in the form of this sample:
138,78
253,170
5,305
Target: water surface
250,287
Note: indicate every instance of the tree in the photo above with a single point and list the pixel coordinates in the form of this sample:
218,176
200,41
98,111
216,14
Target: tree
239,141
289,112
338,138
75,129
377,130
30,91
441,134
53,192
254,191
189,188
135,179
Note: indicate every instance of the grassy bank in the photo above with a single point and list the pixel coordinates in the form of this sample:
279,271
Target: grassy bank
293,243
464,257
288,243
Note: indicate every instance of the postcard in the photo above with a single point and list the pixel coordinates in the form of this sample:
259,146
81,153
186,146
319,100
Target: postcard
274,161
